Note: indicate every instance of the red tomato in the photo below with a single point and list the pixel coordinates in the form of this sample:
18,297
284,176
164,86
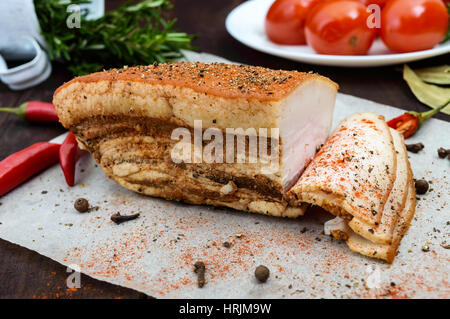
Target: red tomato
339,27
285,20
413,25
381,3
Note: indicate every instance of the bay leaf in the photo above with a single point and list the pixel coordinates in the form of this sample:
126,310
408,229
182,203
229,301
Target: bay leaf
429,94
436,74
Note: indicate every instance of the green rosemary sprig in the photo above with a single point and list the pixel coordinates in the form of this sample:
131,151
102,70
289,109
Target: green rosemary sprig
133,34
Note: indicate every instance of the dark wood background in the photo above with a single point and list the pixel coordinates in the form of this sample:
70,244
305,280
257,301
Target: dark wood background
26,274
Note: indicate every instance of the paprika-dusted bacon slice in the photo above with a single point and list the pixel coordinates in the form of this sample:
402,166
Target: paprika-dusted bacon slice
387,252
340,230
371,246
383,233
353,173
318,185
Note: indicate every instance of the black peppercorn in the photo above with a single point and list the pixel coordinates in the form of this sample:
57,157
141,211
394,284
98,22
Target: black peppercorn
262,273
414,148
442,152
421,186
81,205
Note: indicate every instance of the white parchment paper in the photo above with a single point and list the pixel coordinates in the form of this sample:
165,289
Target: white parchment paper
156,252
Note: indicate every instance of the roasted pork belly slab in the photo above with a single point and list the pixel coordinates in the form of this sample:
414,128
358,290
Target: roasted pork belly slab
127,119
362,175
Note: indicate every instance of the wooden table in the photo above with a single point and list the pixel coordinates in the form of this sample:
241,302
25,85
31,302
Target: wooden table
26,274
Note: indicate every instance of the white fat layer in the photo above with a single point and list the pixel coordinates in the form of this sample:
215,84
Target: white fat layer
335,224
305,123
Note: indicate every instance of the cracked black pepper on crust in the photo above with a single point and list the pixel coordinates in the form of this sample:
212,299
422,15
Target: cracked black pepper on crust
226,80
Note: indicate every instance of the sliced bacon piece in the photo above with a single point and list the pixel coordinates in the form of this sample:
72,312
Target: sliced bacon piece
383,233
354,171
362,175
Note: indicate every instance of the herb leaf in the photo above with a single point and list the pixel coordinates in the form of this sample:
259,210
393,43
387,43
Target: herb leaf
436,74
133,34
431,95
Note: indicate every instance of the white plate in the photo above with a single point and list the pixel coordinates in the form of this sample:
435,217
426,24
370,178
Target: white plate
246,24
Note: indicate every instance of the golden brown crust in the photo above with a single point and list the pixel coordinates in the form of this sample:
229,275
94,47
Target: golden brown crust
218,79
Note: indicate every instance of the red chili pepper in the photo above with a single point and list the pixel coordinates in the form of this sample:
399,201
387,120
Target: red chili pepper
408,123
20,166
34,111
68,156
